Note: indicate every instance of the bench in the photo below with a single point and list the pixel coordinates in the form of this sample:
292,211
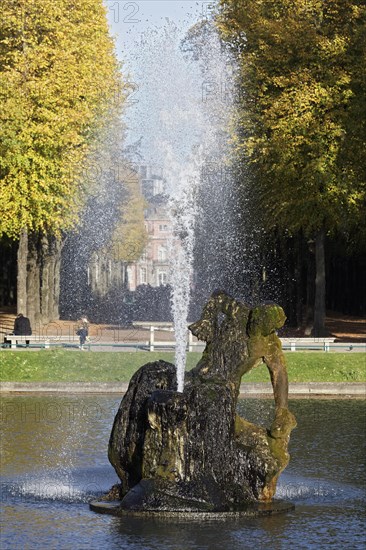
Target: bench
292,344
158,325
43,341
307,343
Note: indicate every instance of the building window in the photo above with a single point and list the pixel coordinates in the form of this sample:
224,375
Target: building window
158,187
162,254
163,227
143,172
143,276
162,278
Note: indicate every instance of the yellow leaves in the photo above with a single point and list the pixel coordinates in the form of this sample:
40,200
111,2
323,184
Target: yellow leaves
130,238
59,83
332,46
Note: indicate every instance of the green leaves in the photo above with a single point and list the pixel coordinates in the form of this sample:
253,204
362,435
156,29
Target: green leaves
297,124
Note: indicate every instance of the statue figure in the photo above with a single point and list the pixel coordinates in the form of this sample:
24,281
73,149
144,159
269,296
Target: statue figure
191,451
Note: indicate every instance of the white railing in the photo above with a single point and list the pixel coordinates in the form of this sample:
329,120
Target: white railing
292,344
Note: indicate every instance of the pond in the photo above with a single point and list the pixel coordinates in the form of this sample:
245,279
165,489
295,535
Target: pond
54,461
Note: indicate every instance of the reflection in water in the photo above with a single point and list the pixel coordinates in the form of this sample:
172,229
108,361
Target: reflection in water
54,460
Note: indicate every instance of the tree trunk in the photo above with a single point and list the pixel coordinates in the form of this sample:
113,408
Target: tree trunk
310,294
54,305
22,273
46,269
50,260
33,280
38,280
319,306
298,281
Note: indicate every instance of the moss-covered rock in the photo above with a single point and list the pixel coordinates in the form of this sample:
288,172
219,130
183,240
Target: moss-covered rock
190,451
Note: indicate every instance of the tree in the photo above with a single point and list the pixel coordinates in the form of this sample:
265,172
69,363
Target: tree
129,237
60,85
299,97
59,77
109,235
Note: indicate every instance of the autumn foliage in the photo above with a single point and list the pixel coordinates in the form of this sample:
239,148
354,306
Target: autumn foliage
60,84
301,117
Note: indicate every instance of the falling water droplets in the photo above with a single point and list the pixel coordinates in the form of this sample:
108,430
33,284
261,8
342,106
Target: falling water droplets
182,115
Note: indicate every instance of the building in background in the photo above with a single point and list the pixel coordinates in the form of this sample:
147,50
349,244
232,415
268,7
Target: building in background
153,266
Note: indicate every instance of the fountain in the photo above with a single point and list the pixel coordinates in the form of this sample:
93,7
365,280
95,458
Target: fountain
182,115
181,447
53,458
190,452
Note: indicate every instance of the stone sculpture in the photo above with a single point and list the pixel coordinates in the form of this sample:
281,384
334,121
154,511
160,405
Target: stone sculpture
191,451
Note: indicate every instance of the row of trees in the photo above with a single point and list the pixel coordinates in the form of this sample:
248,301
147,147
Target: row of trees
61,91
300,120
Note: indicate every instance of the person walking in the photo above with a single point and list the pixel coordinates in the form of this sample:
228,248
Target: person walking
83,331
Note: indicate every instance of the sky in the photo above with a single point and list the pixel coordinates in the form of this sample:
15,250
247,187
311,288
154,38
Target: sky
128,20
139,28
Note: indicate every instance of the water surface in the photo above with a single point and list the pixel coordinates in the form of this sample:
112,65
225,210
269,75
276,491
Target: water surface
54,460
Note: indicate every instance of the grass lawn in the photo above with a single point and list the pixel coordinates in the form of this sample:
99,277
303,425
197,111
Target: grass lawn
76,366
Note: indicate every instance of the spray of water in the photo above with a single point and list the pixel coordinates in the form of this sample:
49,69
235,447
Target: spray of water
183,213
179,112
188,101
